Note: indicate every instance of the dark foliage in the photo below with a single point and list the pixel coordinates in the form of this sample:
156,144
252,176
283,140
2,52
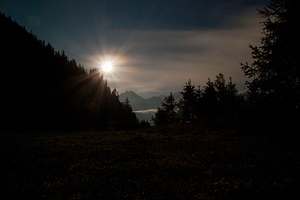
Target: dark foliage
218,102
188,103
272,103
166,113
40,88
274,87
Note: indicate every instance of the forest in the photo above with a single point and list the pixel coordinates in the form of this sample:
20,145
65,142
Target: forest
42,89
64,134
272,102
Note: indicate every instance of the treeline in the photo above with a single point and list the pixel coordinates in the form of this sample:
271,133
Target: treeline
40,88
272,101
216,103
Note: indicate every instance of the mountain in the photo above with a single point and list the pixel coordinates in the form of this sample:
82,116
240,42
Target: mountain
139,103
145,108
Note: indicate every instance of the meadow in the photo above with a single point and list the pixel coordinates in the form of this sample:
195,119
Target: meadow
148,164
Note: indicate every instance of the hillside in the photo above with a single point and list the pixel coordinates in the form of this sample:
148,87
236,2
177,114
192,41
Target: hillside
42,89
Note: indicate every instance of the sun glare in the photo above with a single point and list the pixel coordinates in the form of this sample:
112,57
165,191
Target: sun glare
106,66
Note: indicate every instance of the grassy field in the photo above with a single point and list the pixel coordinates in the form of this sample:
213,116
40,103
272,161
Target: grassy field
148,165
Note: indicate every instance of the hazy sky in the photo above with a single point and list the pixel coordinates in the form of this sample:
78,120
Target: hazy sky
156,45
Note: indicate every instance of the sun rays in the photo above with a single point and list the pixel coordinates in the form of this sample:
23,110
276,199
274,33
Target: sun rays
107,66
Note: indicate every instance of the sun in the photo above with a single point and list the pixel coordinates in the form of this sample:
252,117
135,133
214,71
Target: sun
107,66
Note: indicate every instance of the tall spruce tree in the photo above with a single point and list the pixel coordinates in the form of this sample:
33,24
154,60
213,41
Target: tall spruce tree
209,100
189,101
166,113
275,73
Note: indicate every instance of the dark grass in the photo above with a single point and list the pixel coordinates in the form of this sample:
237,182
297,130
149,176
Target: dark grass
148,165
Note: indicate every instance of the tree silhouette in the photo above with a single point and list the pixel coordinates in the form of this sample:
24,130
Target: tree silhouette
209,100
166,113
188,102
41,88
274,88
217,103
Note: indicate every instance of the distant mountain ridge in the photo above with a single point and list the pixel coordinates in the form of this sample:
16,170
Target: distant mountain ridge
139,103
145,108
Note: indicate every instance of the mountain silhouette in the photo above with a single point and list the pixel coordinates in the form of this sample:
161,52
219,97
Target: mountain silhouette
145,108
139,103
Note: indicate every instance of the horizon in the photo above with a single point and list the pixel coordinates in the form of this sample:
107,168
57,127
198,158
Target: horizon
155,47
149,95
148,99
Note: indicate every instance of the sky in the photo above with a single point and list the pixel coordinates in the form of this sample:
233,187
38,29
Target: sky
155,46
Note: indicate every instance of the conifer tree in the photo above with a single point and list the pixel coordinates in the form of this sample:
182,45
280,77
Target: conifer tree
166,113
188,102
209,100
274,84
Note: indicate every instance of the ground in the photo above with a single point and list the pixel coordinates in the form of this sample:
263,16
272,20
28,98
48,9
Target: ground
148,164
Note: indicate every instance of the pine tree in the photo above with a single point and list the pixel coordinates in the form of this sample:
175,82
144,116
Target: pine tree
275,73
189,101
209,100
166,113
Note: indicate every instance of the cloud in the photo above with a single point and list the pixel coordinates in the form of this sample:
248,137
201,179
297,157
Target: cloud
158,61
163,60
158,45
